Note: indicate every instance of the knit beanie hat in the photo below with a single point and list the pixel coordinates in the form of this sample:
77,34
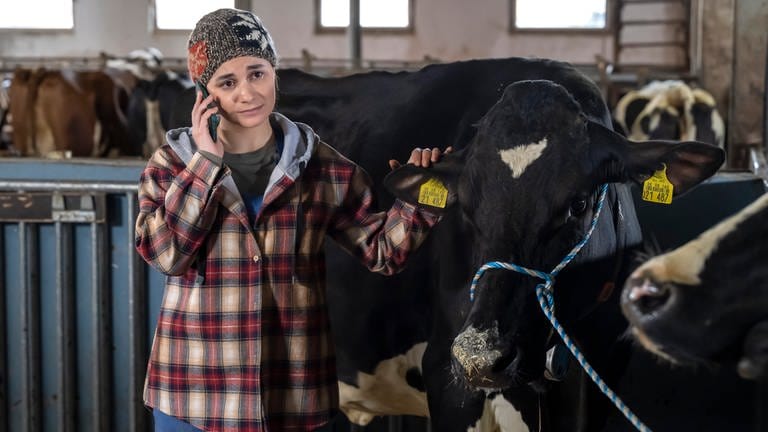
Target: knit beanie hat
225,34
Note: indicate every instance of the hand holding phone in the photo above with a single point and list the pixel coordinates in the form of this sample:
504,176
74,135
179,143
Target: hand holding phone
213,120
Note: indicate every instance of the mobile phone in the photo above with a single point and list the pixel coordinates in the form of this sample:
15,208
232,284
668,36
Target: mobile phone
213,121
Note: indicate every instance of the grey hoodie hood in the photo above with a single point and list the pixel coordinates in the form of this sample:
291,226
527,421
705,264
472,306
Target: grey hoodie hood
298,143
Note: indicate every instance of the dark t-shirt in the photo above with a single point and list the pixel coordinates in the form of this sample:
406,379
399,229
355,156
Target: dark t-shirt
251,172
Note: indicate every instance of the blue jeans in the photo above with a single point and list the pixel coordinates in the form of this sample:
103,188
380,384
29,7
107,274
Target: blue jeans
166,423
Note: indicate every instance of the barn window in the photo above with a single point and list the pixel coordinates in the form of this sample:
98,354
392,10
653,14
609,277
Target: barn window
183,14
40,14
374,14
559,14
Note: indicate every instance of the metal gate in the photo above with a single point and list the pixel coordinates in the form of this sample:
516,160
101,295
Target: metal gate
78,306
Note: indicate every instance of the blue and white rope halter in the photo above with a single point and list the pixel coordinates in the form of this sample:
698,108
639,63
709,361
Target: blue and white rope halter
545,295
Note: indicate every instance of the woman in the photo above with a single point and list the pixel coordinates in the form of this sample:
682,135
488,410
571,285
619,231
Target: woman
237,223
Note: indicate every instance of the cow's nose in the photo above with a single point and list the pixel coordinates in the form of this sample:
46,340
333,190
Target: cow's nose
482,358
646,295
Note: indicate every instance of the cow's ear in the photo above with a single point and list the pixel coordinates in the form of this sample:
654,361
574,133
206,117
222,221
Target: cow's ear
434,188
688,163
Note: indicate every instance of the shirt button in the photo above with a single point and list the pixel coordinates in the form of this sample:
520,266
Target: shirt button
256,258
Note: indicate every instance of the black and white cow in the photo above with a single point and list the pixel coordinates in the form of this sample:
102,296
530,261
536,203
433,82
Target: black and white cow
150,106
5,131
706,124
372,117
526,191
153,91
670,110
707,301
384,326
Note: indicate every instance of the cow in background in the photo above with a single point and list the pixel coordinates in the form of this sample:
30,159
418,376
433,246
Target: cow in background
149,110
5,117
707,124
670,110
707,301
122,109
153,92
64,113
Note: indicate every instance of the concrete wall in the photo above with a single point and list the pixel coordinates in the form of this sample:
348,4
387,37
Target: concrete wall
734,40
717,33
747,117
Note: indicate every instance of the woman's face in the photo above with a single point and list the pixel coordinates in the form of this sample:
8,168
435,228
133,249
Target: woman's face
244,88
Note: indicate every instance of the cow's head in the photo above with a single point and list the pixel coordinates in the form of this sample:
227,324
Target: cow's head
526,191
707,301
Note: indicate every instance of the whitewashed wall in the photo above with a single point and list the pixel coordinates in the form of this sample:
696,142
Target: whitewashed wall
444,29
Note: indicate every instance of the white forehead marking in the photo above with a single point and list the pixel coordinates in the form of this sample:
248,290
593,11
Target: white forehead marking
521,157
684,264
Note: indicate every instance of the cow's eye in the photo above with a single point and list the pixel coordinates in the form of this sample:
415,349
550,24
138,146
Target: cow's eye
578,206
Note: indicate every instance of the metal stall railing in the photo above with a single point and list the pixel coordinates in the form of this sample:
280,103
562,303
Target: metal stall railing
76,298
78,306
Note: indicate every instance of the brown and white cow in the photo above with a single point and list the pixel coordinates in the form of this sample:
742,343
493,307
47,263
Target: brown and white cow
62,113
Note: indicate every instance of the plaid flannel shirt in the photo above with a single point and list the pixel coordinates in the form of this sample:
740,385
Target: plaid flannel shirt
243,339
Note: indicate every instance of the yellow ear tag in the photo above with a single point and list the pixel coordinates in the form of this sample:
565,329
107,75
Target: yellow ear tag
433,193
658,188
